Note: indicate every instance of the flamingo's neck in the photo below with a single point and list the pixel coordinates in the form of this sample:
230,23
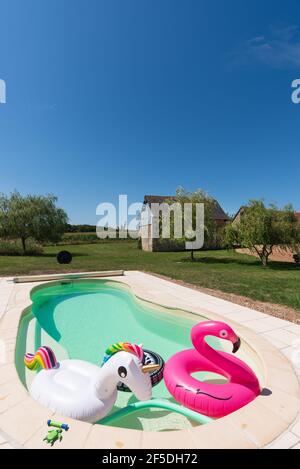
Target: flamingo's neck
106,383
236,373
212,355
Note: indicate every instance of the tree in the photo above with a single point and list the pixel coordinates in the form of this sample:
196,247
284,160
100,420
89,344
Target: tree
198,196
80,228
260,228
31,216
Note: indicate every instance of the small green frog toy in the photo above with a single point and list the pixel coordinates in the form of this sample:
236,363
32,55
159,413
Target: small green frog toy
53,435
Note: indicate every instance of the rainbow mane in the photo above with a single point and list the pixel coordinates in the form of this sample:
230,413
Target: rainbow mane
44,357
125,347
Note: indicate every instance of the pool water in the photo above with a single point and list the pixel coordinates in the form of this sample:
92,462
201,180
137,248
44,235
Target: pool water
81,318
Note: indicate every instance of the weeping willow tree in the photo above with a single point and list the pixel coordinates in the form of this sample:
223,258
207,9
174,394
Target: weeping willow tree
32,216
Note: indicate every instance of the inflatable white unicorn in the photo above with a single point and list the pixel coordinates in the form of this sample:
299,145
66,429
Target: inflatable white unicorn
83,391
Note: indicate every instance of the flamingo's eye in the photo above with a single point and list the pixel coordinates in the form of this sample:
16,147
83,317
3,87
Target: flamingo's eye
122,371
223,334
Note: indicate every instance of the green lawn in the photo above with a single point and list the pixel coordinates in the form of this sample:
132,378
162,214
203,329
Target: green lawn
222,270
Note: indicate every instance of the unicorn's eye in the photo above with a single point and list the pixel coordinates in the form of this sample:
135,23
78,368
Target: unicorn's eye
223,334
122,371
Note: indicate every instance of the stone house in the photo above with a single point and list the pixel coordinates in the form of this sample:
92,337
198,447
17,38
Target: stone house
148,242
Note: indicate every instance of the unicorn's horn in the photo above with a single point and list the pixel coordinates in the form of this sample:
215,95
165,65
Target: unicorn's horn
149,368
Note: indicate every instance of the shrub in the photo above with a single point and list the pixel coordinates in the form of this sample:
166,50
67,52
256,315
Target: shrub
168,244
296,258
14,248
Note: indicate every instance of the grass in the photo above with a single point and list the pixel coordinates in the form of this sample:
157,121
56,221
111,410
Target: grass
222,270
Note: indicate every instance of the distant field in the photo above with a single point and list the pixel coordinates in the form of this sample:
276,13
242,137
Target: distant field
86,233
222,270
85,237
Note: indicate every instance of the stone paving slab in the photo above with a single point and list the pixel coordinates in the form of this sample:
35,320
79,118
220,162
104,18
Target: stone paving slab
286,441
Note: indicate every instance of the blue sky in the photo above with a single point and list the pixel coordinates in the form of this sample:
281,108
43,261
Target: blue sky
138,97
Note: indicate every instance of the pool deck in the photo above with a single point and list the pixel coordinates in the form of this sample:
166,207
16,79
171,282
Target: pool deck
271,421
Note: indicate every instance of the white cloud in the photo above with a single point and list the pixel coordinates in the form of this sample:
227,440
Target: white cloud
280,48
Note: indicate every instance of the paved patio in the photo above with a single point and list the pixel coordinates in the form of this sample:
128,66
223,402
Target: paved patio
263,418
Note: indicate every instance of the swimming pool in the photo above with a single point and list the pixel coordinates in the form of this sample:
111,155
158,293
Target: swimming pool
78,319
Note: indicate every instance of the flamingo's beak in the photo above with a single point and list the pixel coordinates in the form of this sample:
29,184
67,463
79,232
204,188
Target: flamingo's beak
236,345
149,368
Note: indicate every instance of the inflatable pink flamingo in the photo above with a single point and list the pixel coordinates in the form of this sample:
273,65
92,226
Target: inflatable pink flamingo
214,400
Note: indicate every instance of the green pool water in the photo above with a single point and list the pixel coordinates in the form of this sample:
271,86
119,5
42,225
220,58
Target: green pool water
80,319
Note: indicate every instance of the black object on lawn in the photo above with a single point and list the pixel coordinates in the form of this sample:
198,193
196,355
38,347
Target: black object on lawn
64,257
